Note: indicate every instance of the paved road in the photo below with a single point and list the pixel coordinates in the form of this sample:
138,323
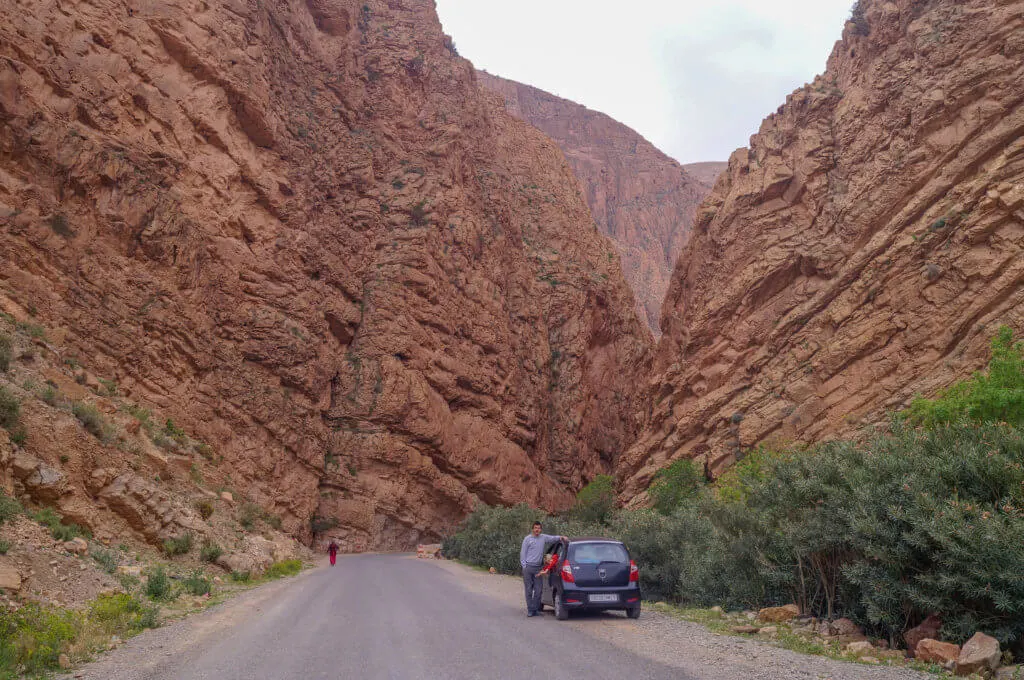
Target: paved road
380,617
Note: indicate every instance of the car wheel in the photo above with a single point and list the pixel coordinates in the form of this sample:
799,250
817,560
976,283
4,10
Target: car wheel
561,611
633,612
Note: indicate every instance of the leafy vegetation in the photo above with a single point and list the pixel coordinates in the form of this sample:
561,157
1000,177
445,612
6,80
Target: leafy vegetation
283,568
204,508
6,353
54,521
595,501
158,584
178,545
5,546
93,421
10,409
107,559
924,517
9,508
196,583
210,551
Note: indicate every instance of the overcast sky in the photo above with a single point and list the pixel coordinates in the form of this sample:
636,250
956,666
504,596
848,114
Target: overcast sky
694,78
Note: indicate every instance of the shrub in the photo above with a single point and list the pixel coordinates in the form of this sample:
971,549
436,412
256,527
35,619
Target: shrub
107,559
283,568
675,484
204,508
859,19
5,546
595,501
60,226
93,421
121,613
241,576
178,545
491,537
196,583
53,521
10,409
9,508
158,584
6,352
248,515
210,551
32,639
50,395
321,524
994,396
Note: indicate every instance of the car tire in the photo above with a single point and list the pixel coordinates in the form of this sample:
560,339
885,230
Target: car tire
633,612
561,611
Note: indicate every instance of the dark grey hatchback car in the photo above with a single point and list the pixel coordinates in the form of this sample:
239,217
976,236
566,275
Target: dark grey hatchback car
592,574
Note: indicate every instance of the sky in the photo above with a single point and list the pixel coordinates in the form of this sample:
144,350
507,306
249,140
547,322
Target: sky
695,78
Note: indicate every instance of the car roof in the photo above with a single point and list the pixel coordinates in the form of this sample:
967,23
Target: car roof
594,539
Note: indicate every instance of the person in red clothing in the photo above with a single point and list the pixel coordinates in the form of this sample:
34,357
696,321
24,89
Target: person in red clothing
332,550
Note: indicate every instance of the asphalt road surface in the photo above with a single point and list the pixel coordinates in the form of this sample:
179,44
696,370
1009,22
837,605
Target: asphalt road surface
375,617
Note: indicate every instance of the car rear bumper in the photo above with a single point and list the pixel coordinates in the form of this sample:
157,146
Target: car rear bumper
601,598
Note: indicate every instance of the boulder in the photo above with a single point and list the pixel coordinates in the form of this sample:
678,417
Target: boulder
979,653
860,647
768,630
845,627
779,614
929,628
745,630
226,496
10,578
932,651
130,570
77,545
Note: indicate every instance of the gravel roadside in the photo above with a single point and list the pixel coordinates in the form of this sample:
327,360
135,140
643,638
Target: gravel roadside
688,646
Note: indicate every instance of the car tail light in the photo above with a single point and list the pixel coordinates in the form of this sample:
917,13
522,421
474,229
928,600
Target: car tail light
634,572
567,576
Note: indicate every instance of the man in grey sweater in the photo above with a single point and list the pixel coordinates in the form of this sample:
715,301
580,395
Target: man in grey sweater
531,559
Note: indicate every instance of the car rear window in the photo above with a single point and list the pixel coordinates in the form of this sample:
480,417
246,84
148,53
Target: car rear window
595,553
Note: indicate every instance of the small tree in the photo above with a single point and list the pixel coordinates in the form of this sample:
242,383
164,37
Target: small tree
675,484
595,501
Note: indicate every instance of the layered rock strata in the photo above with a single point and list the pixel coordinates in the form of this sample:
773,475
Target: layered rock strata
864,249
302,231
641,199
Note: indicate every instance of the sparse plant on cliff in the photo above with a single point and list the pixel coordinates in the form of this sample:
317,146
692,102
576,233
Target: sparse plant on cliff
179,545
196,583
59,225
318,524
6,352
10,409
9,508
93,421
54,521
419,213
210,551
204,508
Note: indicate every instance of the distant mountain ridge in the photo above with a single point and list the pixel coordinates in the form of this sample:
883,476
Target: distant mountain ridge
642,199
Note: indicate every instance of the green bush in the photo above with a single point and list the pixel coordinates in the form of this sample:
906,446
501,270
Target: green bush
50,395
178,545
196,583
5,546
675,484
54,521
107,559
32,639
248,515
995,396
204,508
120,613
9,508
6,352
283,568
210,551
241,576
93,421
492,537
595,501
158,584
10,409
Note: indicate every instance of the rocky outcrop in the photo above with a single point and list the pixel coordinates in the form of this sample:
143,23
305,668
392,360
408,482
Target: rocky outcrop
642,200
864,249
301,231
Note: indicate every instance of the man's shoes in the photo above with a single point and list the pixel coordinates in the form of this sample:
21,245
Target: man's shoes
531,614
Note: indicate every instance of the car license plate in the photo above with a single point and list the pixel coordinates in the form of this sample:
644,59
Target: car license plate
604,598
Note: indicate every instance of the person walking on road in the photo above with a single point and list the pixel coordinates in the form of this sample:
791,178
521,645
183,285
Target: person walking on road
531,559
332,550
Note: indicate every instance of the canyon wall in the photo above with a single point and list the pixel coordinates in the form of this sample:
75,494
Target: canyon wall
301,230
864,249
642,200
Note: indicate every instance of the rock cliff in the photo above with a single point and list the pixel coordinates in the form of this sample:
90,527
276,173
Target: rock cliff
642,200
301,231
863,249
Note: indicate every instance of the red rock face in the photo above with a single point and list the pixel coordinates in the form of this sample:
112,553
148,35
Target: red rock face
641,199
863,250
302,230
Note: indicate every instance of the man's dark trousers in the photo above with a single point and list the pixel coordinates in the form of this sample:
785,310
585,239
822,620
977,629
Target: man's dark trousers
532,585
